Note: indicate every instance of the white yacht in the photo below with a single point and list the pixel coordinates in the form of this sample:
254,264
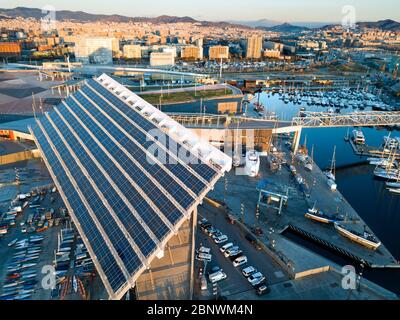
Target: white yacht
358,137
252,164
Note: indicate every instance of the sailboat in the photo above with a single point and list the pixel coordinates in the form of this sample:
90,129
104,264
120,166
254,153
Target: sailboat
388,172
331,173
394,187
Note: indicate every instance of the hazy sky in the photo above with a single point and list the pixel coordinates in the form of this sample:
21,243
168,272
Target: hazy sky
280,10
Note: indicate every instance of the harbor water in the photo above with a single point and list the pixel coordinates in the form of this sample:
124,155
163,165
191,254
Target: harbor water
368,196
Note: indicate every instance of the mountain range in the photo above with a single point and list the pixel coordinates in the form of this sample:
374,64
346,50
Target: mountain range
81,16
284,27
263,24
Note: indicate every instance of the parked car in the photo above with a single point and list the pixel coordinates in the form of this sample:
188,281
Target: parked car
203,256
248,271
203,221
217,276
262,289
235,254
228,252
216,234
214,269
226,246
205,227
210,231
239,261
221,239
203,249
256,278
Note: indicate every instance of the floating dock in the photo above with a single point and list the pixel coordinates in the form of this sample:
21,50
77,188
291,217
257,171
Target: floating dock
369,151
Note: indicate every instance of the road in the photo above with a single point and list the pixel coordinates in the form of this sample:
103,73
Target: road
235,283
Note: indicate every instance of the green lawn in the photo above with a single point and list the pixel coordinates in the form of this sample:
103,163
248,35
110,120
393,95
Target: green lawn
184,96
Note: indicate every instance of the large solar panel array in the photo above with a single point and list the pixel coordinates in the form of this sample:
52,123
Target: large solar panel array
125,199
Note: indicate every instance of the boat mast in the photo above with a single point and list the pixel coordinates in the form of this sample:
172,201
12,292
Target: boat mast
333,162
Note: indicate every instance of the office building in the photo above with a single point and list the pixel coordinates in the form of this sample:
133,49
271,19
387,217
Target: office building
254,47
132,51
192,52
10,50
218,52
95,50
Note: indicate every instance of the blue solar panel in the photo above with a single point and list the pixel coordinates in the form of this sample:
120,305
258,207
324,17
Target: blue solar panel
204,170
120,242
103,254
184,199
148,186
135,199
125,205
177,168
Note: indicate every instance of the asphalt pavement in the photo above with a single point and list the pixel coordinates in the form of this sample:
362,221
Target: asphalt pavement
235,283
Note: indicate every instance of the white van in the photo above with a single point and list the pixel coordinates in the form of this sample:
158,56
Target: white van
203,256
239,261
217,276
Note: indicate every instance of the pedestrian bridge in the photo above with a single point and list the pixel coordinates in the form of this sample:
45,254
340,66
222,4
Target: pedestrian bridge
356,119
306,120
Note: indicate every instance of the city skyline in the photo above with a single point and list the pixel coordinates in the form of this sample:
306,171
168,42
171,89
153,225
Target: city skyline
236,10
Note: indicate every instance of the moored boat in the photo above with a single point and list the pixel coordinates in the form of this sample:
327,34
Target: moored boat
366,239
320,216
358,137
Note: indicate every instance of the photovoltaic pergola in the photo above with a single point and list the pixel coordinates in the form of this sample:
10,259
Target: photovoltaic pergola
128,174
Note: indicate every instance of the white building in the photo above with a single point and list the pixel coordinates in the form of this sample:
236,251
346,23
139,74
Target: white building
94,50
132,51
158,59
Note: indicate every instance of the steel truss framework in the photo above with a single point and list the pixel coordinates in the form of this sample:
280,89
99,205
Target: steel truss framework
367,118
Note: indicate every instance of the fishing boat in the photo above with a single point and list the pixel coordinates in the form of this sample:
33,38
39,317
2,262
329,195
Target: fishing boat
318,215
252,164
366,239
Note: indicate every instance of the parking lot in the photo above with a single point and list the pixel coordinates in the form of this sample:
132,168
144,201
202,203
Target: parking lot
235,282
